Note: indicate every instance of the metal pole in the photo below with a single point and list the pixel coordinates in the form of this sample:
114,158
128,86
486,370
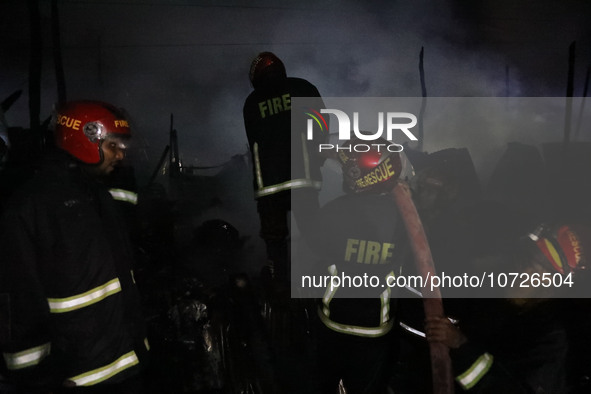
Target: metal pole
582,107
35,66
424,100
57,53
569,95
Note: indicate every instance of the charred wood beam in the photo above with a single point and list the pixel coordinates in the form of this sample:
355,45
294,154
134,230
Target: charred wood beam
57,53
582,107
35,66
159,165
569,94
175,165
8,101
424,100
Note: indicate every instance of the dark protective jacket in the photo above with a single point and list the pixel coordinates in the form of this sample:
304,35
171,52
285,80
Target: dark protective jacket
69,306
267,119
516,350
361,236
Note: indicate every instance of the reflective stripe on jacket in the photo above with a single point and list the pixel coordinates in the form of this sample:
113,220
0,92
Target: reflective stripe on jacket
28,357
385,321
103,373
124,195
262,189
470,377
60,305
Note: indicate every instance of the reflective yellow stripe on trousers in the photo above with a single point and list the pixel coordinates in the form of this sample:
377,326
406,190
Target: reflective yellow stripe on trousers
61,305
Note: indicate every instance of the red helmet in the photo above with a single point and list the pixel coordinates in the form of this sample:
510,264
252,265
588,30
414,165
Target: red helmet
81,126
565,246
266,66
373,167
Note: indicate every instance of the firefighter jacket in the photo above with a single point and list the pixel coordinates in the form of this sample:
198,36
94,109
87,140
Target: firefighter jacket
362,243
69,307
283,158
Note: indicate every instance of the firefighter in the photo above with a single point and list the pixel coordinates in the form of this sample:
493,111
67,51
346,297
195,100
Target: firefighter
527,345
361,234
275,149
70,318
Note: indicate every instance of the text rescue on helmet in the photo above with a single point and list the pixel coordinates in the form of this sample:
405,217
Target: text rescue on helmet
74,124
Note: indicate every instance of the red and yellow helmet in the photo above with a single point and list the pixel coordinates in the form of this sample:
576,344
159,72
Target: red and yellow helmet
565,247
264,67
81,126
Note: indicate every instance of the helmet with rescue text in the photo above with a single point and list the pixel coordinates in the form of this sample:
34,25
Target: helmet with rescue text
82,127
370,168
265,68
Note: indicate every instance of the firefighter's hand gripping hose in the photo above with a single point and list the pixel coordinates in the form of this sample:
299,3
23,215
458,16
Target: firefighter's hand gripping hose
440,361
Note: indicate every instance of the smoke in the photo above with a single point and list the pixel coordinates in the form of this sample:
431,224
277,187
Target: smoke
191,59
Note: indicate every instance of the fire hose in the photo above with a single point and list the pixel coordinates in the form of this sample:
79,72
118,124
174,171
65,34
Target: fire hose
441,367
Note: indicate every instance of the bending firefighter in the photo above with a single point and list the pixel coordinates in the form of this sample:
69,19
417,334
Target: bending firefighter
361,234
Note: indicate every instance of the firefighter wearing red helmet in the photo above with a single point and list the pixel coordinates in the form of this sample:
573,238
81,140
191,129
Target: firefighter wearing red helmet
265,68
284,163
535,339
70,311
360,235
95,133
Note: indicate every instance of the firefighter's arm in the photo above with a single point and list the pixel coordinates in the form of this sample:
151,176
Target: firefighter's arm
441,329
470,364
24,311
475,369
